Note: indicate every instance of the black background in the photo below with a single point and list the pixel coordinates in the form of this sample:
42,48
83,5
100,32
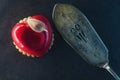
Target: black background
61,62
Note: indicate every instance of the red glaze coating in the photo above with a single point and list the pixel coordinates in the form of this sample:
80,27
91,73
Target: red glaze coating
30,42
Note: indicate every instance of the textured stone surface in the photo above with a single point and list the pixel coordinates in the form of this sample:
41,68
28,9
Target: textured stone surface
61,62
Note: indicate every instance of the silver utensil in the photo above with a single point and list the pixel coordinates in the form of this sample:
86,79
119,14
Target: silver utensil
78,32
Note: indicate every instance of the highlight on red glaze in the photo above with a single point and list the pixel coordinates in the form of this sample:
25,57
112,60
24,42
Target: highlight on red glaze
29,42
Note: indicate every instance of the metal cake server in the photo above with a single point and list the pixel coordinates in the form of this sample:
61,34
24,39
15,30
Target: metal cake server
78,32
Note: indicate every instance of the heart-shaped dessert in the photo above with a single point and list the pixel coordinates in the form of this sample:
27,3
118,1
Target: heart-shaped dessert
33,36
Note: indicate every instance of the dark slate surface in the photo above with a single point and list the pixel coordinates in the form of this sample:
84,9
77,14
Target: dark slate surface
61,62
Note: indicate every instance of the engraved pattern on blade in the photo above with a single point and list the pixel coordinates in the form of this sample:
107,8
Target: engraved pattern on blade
79,34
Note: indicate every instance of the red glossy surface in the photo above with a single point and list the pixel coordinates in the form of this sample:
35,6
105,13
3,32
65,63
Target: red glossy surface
31,42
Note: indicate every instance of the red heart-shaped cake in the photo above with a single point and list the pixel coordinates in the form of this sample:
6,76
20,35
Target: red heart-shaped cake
33,36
